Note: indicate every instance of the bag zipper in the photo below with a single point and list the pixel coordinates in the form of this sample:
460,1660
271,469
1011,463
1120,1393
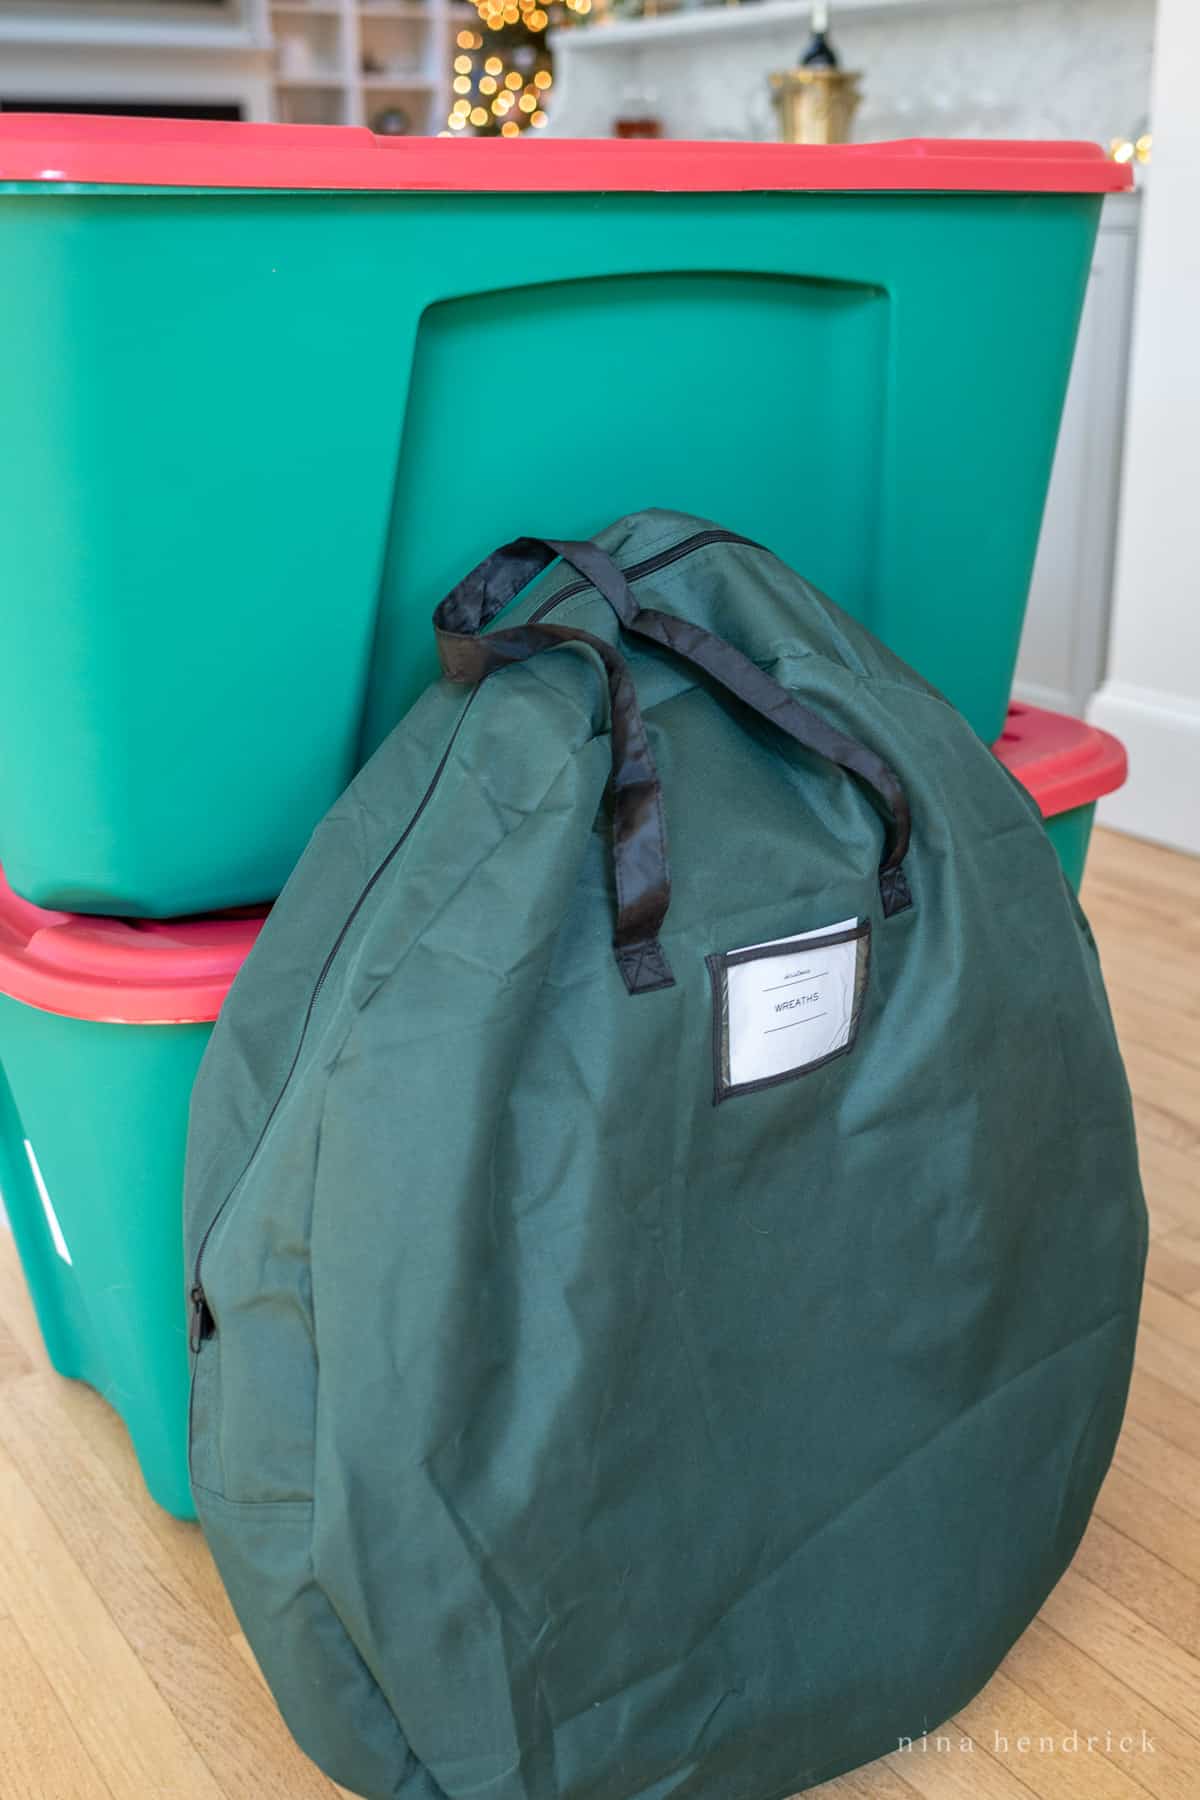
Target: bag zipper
648,565
202,1323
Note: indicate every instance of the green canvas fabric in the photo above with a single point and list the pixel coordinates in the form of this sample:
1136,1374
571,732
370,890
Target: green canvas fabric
559,1433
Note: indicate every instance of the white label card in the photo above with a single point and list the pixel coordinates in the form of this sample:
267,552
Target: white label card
792,1007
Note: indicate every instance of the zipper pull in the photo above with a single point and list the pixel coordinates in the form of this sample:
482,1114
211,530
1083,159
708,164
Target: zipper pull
203,1325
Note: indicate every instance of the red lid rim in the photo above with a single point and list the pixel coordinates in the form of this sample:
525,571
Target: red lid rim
120,971
58,148
1061,761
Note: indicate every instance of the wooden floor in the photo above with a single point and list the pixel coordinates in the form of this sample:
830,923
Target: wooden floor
123,1675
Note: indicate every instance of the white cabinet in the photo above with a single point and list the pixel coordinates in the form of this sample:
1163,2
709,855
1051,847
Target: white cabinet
1065,642
304,62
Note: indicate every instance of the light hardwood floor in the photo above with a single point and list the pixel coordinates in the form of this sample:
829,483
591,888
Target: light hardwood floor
123,1675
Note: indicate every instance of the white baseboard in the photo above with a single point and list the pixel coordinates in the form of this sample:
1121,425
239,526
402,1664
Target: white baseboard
1161,732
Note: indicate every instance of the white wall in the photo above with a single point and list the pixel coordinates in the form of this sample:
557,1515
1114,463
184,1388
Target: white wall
1151,698
945,68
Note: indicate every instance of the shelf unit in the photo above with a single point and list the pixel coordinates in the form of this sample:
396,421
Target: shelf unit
350,62
717,18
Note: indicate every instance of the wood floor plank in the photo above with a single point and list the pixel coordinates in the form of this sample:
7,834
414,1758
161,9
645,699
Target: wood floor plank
1145,1018
16,1308
1161,1466
107,1439
1134,863
1172,1316
1163,1093
243,1649
1170,1362
1136,1652
1175,1171
1143,1581
1172,1273
1143,896
1055,1673
1037,1744
1171,1178
1150,993
192,1663
14,1359
1174,1264
961,1772
41,1756
104,1431
1164,1409
1152,1521
1128,872
131,1735
877,1781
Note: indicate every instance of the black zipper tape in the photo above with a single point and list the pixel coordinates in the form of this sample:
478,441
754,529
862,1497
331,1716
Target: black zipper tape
202,1322
648,566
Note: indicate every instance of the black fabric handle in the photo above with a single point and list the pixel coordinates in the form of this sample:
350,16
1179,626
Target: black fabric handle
640,864
742,678
639,835
771,701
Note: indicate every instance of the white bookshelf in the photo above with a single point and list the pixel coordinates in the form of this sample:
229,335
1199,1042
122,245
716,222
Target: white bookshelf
318,62
347,62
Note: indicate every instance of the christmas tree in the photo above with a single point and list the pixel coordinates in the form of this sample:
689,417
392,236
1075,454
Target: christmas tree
503,72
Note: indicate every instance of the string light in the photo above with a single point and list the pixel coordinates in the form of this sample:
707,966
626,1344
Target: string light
504,92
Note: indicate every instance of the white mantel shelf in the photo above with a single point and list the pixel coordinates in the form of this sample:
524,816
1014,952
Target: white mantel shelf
77,33
751,15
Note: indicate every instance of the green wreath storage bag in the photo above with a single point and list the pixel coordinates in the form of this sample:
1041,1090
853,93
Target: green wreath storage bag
661,1315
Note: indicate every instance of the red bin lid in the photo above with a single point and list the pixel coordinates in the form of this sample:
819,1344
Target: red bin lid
1062,761
121,971
66,147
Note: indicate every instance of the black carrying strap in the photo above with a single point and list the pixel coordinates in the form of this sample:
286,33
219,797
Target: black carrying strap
639,835
641,869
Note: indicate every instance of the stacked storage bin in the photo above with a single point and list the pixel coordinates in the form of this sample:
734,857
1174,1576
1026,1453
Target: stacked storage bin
256,450
1067,766
102,1026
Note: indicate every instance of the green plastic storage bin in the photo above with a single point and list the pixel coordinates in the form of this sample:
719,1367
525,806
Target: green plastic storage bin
275,387
102,1027
1066,765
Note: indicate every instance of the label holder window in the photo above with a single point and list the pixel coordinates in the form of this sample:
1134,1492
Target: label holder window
786,1008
